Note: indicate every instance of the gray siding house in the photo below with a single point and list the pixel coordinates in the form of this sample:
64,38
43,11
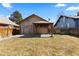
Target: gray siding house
67,22
71,24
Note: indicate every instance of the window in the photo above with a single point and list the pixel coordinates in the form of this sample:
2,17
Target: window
24,26
63,19
67,25
77,23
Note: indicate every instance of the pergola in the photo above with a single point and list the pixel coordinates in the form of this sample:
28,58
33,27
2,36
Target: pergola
42,27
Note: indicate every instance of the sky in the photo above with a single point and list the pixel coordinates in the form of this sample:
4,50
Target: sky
45,10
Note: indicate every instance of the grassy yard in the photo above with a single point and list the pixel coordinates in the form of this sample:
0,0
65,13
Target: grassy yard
57,45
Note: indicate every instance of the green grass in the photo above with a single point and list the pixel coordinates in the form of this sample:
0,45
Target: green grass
59,45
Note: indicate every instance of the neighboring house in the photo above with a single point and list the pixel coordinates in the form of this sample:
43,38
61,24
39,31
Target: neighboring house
6,27
34,24
68,22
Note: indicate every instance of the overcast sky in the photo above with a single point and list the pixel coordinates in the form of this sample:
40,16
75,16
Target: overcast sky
44,10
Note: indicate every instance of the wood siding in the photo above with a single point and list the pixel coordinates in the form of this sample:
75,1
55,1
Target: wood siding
5,31
67,25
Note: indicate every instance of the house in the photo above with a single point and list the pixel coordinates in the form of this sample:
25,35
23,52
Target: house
68,24
34,24
6,27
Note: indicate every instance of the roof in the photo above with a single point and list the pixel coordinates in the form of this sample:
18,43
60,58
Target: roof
42,22
7,21
32,16
70,16
75,17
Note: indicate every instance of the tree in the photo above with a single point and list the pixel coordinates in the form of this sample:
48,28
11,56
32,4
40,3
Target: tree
16,17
